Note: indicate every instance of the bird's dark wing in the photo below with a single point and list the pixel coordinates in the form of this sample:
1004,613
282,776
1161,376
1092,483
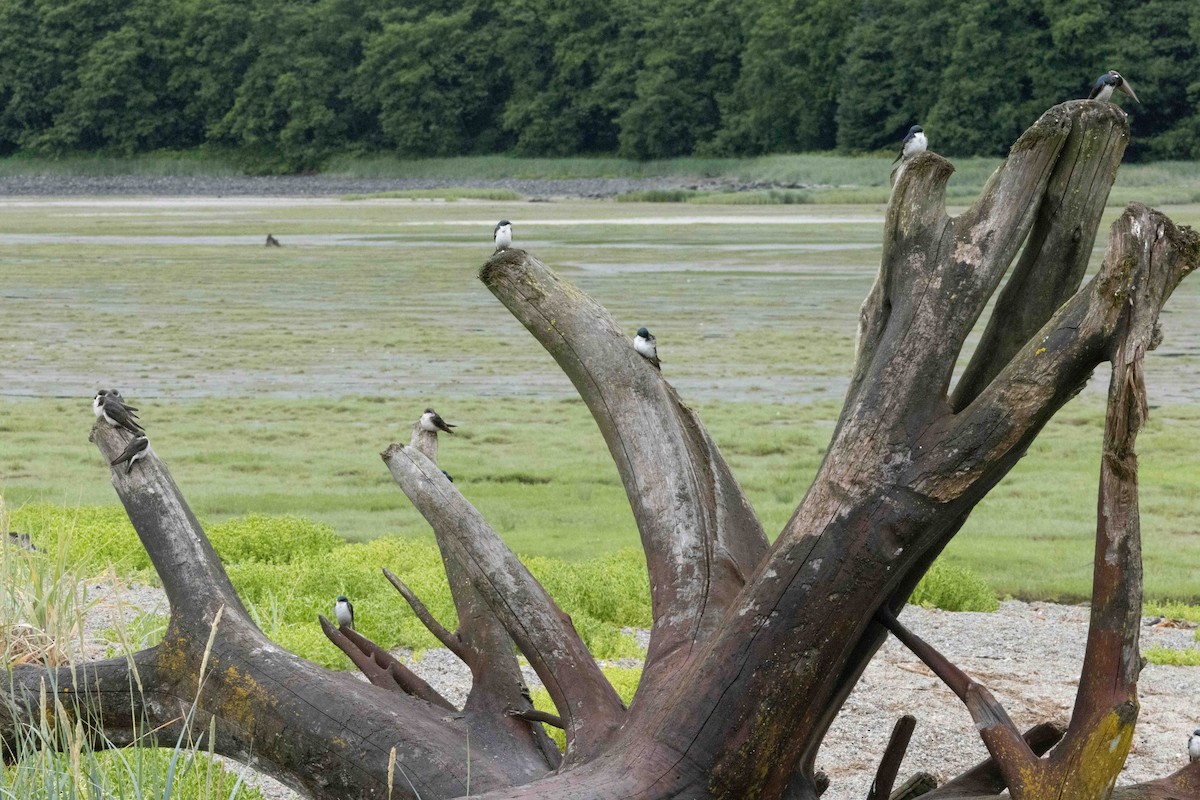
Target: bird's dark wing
119,413
441,424
1097,86
134,447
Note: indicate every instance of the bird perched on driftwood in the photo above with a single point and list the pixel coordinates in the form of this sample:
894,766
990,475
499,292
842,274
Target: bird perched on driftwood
1102,89
136,450
913,142
109,406
272,241
647,347
1194,746
343,612
502,235
431,421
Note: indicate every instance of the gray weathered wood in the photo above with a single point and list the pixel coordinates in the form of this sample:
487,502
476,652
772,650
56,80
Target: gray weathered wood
701,537
1058,248
591,710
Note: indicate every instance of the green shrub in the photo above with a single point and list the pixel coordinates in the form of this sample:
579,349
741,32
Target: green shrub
613,588
952,588
272,540
95,536
1158,654
288,569
1171,609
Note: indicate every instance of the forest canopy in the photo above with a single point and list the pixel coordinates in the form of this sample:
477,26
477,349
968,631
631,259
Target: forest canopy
288,83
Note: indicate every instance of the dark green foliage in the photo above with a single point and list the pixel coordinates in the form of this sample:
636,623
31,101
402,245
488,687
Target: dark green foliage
892,72
683,80
285,85
786,95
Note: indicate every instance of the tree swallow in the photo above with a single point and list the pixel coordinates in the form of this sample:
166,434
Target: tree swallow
914,142
430,421
272,241
1103,88
108,406
136,450
503,235
647,346
1194,746
343,610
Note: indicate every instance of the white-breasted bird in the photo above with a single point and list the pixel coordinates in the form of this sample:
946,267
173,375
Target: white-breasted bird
343,612
1194,746
431,421
647,347
109,406
913,142
502,235
1103,88
136,450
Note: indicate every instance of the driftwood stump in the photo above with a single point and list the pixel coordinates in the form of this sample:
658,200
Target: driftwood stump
754,647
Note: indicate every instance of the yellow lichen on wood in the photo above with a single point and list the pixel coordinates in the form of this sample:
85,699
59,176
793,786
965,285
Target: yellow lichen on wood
1091,769
242,698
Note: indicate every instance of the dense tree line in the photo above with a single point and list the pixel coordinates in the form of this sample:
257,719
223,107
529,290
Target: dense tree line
288,82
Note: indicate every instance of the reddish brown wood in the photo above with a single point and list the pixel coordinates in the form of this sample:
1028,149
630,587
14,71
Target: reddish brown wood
893,756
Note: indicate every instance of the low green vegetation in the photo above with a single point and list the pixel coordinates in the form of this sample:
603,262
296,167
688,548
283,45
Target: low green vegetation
43,601
81,770
451,194
540,473
271,378
954,589
1173,609
1157,654
288,570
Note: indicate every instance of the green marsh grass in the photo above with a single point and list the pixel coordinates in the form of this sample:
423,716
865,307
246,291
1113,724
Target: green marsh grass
954,588
451,194
188,163
271,378
1173,609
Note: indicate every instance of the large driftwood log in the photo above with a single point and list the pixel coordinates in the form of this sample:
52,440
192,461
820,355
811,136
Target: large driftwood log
754,648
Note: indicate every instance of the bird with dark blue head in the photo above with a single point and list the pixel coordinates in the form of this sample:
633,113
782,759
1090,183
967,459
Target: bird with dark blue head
343,612
914,142
647,347
1102,89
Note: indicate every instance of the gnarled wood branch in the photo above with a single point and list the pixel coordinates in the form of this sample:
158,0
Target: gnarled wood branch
590,708
481,641
1057,250
985,778
701,537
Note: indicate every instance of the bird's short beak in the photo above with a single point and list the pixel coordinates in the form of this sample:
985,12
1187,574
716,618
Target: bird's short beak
1127,89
